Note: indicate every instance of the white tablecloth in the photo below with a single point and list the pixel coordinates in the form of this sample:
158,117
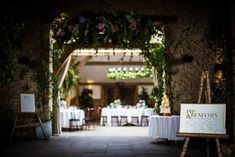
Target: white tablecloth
124,112
66,114
164,127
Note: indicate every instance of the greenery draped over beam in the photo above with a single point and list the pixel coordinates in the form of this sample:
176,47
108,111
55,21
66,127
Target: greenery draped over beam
109,30
125,30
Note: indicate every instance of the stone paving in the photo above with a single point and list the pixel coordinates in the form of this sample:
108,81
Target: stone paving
128,141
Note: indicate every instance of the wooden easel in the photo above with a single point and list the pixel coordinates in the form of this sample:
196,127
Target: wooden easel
27,120
204,78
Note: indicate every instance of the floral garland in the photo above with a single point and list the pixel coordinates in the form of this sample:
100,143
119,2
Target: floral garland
126,30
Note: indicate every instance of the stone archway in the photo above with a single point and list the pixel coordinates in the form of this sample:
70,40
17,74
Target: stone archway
106,32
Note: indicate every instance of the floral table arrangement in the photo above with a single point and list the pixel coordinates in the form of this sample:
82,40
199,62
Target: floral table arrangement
116,104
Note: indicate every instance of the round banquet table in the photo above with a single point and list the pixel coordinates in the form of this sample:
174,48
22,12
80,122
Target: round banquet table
66,114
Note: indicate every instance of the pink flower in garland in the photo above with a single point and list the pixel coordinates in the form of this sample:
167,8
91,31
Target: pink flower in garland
60,33
101,26
132,26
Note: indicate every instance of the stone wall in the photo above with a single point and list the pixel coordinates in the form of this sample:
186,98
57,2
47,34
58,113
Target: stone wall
187,37
233,58
32,48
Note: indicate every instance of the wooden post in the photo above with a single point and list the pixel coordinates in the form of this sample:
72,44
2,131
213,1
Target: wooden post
42,127
13,129
207,147
201,87
208,88
185,147
64,72
155,80
218,147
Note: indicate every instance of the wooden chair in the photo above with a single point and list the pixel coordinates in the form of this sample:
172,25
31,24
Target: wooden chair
104,120
144,120
135,120
74,122
123,119
114,120
114,117
90,118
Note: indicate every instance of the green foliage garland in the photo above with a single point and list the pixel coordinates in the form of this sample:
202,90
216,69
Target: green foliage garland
124,75
125,29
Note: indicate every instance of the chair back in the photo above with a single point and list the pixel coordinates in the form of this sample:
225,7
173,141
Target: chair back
90,113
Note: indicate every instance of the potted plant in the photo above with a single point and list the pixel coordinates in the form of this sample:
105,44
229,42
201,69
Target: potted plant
85,99
144,96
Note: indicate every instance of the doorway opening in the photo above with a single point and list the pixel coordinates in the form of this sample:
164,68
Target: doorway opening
67,37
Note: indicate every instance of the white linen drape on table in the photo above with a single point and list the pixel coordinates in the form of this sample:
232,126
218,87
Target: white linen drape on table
66,114
164,127
124,112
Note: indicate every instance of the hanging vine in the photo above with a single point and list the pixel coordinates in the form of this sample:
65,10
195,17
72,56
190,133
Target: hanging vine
156,60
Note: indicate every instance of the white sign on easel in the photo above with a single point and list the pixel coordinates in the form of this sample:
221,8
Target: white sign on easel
27,102
203,118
